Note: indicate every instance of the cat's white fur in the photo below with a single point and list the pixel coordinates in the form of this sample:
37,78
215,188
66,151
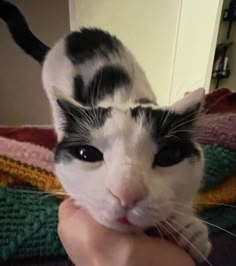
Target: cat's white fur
128,152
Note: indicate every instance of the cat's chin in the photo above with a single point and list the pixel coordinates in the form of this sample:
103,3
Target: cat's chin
116,225
124,228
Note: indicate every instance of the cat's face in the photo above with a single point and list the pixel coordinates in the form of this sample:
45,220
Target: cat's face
129,167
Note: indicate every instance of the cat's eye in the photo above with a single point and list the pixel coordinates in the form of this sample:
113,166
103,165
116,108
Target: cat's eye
168,156
87,153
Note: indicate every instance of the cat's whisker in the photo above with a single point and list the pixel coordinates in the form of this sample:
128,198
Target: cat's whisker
39,192
189,242
205,203
208,223
183,123
30,191
168,232
47,194
217,204
158,227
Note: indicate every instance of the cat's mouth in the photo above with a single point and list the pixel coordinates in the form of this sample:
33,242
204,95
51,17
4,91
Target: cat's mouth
124,220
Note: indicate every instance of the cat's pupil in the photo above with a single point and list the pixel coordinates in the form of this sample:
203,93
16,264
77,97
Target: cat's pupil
87,153
168,156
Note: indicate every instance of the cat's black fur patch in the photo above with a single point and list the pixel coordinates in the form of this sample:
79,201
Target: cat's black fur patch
169,128
145,101
75,131
84,44
104,83
80,92
21,32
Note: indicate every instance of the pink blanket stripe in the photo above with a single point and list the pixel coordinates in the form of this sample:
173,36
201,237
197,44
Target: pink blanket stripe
27,153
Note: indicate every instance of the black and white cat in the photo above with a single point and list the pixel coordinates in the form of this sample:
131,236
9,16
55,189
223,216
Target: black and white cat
131,163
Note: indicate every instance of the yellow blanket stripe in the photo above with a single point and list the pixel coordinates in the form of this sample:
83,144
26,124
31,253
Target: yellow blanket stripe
12,171
223,194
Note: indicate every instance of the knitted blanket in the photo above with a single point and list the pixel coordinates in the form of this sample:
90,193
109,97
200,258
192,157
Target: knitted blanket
28,217
217,129
220,164
28,224
220,101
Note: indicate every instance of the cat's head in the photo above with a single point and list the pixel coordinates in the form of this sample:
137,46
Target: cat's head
134,163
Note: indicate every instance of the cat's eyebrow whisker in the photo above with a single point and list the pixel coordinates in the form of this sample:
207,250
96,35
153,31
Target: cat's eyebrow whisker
94,100
165,118
88,120
184,122
180,131
168,136
208,223
189,242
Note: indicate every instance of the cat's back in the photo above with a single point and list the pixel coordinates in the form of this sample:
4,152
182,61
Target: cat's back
95,67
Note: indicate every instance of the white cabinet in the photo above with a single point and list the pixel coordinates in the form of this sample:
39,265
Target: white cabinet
174,40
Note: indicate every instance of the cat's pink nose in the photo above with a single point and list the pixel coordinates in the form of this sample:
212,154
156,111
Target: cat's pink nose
129,197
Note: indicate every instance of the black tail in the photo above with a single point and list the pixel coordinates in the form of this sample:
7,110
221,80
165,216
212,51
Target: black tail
21,33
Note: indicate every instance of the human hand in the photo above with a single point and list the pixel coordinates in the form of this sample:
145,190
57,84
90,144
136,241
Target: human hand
88,243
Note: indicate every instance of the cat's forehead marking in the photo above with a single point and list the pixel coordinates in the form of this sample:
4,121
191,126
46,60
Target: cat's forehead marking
145,101
105,82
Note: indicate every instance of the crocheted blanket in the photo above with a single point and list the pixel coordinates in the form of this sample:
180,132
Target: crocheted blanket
28,215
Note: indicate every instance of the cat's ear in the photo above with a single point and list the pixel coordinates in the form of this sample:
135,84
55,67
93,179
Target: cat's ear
188,110
73,118
66,112
191,103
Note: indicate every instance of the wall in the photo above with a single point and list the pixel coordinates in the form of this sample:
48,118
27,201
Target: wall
198,30
173,40
231,81
148,28
22,99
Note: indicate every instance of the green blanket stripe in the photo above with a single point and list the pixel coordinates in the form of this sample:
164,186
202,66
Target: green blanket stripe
220,164
28,224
